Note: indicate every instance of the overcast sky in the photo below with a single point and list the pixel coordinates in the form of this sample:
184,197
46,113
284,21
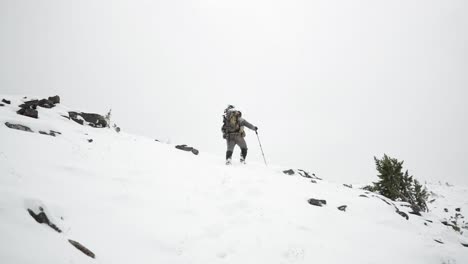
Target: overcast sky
329,83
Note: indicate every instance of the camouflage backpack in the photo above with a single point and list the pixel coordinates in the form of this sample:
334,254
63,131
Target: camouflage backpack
231,124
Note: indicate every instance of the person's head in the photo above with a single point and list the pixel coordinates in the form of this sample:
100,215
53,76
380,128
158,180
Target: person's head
228,108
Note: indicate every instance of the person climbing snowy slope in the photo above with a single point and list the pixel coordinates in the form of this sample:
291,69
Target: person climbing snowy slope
233,132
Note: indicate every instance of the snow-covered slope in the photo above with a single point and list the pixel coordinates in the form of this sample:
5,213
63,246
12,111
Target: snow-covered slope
130,199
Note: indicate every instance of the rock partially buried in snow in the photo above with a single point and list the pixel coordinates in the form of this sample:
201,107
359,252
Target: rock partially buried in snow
465,244
42,218
289,172
82,248
29,112
403,214
6,101
342,208
438,241
187,148
54,99
91,119
50,133
18,127
363,195
317,202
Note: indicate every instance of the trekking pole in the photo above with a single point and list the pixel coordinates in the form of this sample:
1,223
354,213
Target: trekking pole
261,148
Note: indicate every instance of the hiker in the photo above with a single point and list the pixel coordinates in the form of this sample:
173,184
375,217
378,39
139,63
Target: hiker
233,132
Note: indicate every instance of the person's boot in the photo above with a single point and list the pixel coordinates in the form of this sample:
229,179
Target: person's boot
243,155
228,157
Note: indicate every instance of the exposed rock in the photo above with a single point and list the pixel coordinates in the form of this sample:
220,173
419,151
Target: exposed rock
348,185
19,127
42,218
305,174
93,120
457,209
30,112
6,101
82,248
54,99
438,241
32,104
431,201
446,210
430,221
157,140
403,214
289,172
45,103
465,244
90,140
2,105
51,133
187,148
363,195
456,228
313,181
342,208
317,202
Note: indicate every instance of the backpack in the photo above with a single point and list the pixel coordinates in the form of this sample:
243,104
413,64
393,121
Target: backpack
231,122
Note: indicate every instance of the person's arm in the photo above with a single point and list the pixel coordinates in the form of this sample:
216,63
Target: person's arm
244,122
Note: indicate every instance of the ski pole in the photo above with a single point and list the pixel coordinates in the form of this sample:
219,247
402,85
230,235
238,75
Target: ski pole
263,154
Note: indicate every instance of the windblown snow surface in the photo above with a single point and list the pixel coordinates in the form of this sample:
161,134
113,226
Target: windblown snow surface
130,199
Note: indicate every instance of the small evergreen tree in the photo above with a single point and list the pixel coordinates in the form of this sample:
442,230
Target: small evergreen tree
396,185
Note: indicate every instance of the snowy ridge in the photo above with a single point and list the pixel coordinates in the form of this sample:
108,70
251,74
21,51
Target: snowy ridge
129,199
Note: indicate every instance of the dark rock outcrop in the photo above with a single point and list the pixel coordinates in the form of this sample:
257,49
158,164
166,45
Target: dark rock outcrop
2,105
6,101
363,195
46,103
464,244
90,140
289,172
42,218
317,202
19,127
342,208
82,248
50,133
456,228
54,99
458,209
29,112
403,214
93,120
313,181
438,241
187,148
348,185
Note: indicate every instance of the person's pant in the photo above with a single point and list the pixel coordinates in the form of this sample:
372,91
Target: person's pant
234,140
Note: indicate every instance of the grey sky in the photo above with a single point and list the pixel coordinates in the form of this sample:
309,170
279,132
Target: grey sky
330,84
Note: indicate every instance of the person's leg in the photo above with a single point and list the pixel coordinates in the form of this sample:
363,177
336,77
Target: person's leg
243,145
231,143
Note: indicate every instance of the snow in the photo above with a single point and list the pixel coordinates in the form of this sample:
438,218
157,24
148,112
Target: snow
130,199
